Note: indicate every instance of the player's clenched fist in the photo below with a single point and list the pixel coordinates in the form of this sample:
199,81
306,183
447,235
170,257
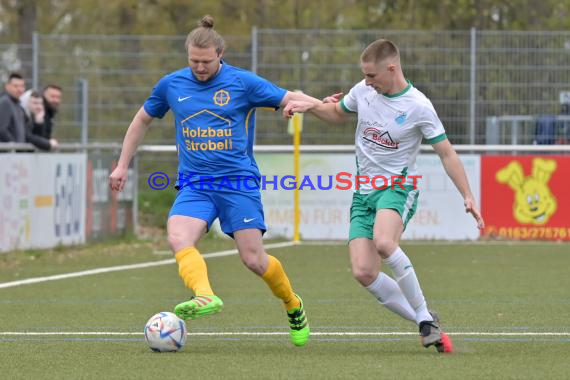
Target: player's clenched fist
117,179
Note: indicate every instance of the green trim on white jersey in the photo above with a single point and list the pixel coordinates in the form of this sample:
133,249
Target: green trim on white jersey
344,108
437,139
401,92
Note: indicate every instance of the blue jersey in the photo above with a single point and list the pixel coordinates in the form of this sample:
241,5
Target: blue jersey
215,120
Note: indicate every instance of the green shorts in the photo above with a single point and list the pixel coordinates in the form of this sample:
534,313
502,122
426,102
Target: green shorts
364,208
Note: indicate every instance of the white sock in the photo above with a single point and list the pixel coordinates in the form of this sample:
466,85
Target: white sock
407,280
389,294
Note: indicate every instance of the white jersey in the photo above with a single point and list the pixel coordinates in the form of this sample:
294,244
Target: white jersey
390,131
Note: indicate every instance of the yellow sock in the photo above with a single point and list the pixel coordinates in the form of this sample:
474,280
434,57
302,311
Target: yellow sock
279,284
192,268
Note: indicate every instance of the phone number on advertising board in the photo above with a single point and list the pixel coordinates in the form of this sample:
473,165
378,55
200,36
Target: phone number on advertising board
529,232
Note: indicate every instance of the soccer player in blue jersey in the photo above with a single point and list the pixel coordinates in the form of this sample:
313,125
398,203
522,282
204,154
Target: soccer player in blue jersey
214,106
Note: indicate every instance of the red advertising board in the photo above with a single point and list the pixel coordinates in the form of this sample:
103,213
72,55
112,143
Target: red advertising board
526,197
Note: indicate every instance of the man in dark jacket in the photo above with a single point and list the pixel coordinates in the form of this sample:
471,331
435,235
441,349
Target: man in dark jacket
52,101
14,125
33,104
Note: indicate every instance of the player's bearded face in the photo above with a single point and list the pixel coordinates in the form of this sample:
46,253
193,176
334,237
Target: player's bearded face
204,62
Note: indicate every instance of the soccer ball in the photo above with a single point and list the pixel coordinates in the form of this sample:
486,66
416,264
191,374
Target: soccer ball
165,332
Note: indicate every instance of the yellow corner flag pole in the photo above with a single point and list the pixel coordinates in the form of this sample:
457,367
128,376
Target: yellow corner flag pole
295,128
297,120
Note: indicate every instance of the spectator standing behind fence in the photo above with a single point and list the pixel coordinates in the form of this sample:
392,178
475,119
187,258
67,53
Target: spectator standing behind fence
12,124
34,115
15,126
52,100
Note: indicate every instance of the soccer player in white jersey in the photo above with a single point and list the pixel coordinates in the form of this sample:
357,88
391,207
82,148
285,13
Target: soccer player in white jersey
393,118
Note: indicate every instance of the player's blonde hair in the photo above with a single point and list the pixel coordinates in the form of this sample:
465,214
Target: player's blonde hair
204,36
380,50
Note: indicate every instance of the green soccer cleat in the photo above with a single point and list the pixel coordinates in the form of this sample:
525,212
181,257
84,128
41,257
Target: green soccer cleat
198,306
298,324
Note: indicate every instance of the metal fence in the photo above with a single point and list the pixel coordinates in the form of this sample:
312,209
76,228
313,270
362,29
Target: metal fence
470,76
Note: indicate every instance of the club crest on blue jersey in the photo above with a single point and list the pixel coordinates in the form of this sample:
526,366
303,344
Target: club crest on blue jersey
221,98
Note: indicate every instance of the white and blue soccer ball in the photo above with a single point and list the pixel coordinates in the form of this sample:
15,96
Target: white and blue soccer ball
165,332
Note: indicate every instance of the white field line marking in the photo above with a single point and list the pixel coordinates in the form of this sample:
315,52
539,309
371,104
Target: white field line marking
242,333
149,264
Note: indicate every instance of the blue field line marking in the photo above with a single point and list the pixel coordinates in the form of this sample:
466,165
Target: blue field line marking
100,329
148,264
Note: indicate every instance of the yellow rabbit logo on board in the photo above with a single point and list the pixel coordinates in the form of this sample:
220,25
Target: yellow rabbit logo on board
534,202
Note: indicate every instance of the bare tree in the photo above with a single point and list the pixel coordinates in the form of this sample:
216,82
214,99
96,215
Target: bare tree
27,24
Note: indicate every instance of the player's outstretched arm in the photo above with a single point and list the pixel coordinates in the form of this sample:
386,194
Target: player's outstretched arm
334,98
133,138
330,112
455,170
291,96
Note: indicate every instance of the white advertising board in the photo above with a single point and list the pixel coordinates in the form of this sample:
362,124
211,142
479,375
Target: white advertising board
43,200
440,213
325,213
